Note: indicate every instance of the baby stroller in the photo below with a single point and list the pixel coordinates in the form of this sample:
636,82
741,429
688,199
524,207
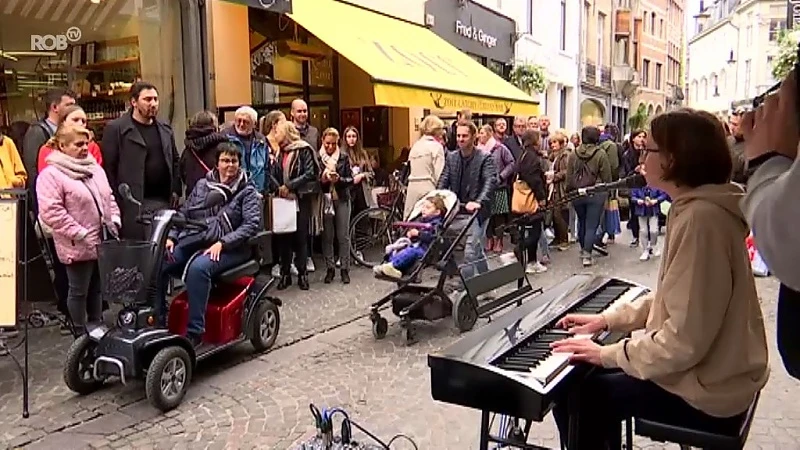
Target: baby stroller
414,301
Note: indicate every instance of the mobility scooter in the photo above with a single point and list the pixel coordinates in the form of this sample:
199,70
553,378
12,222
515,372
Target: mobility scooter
137,347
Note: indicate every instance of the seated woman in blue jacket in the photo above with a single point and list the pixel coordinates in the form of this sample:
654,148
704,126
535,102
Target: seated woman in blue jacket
198,256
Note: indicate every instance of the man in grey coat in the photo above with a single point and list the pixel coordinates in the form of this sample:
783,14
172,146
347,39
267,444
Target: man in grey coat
471,175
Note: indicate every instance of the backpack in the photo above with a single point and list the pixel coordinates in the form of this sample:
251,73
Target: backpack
584,177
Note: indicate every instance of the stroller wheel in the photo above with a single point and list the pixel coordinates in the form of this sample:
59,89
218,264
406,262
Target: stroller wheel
465,312
380,326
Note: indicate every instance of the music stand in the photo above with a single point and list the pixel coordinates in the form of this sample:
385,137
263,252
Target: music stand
14,202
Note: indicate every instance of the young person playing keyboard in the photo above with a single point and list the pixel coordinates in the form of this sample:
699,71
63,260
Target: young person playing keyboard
702,357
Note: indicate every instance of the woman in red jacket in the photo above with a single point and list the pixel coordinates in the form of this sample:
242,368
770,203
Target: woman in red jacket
71,115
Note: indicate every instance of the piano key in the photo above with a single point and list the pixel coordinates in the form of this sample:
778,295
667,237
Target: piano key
550,367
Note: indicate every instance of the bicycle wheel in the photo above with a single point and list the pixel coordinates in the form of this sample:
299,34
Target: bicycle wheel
370,233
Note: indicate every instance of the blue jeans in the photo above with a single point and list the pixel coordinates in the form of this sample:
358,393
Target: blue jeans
474,254
544,245
588,210
197,278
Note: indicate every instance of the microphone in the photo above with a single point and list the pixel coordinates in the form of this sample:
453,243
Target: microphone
633,181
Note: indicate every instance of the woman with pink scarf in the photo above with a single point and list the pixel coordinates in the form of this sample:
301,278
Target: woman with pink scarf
504,162
76,203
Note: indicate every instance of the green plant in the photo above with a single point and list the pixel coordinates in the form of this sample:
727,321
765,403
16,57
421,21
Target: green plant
639,119
787,53
529,78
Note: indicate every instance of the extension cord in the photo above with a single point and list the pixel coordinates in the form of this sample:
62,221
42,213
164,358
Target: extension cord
325,438
318,443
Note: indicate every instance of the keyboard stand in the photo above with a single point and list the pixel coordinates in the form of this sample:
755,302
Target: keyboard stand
518,442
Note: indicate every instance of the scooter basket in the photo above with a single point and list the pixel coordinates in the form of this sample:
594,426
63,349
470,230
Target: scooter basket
125,270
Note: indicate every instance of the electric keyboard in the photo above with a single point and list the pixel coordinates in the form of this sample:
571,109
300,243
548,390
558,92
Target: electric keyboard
507,367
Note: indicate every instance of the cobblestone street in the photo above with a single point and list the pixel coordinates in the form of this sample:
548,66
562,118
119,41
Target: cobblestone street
325,355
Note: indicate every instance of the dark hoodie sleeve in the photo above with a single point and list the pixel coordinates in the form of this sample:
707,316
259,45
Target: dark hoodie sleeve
530,171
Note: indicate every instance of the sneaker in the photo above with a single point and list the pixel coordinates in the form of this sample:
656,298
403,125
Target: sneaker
9,333
310,266
572,239
534,268
276,270
586,261
634,243
563,247
656,252
390,271
378,269
544,261
645,255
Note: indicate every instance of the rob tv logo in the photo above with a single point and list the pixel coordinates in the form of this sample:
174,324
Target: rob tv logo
50,42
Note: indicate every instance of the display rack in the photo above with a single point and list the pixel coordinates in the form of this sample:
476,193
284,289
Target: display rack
12,203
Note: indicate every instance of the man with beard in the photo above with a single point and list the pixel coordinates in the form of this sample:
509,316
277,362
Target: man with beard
138,149
736,142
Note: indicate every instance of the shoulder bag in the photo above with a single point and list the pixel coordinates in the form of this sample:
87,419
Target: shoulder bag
105,233
523,200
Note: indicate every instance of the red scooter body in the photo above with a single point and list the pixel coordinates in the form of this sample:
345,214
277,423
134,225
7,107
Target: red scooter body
224,312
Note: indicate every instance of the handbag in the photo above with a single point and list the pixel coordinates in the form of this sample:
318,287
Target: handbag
523,200
280,214
105,233
328,209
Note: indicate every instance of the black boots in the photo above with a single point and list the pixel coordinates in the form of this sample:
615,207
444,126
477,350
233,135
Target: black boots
285,282
302,282
330,274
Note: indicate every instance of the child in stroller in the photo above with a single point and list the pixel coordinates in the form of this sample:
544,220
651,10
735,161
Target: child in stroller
403,254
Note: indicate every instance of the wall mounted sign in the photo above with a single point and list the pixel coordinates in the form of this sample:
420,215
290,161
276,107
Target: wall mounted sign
792,14
276,6
472,28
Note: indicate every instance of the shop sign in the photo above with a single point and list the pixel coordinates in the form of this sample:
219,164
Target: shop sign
472,28
276,6
476,34
50,42
792,14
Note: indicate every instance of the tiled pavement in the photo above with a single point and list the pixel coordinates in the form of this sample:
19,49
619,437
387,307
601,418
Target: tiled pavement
326,355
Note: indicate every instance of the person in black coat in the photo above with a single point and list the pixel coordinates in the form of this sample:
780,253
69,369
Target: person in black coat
138,149
337,181
295,175
530,168
199,154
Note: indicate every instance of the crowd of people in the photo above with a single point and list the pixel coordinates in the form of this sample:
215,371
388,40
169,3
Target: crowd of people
328,174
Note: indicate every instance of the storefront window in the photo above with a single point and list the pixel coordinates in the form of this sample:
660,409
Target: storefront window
95,48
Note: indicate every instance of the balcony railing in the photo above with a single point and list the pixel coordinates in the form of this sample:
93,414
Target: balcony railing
591,72
605,77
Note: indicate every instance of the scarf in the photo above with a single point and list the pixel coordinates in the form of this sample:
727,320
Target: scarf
329,161
489,146
77,169
288,157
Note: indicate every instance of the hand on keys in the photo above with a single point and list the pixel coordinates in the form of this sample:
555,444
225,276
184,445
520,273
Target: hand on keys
583,323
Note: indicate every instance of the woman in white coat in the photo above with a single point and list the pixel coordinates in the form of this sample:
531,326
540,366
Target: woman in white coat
425,160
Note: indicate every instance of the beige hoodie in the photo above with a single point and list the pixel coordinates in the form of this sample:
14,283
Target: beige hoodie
704,334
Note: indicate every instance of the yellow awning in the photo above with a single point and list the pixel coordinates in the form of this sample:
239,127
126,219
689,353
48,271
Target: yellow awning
410,66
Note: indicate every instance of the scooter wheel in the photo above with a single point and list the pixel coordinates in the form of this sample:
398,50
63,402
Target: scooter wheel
465,312
265,326
79,367
380,326
168,378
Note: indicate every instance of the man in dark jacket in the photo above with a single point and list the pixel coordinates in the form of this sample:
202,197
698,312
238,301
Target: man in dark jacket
736,143
41,131
471,175
199,256
463,115
138,149
514,142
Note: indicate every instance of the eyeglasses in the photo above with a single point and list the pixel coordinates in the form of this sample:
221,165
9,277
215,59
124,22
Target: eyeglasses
229,161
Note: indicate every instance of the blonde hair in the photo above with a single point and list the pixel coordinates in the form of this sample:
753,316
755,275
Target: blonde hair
431,126
289,130
487,129
67,133
268,121
331,132
560,136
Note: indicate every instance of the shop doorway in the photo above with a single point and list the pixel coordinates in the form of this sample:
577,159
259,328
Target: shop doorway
319,114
